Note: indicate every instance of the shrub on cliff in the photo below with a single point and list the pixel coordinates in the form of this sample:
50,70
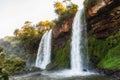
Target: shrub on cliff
64,12
11,64
113,40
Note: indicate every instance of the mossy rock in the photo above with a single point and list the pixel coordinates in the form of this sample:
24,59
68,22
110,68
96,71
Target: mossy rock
61,57
112,59
97,47
106,51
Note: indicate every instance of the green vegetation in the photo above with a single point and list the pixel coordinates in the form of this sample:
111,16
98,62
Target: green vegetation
60,8
114,40
107,51
97,47
44,26
1,48
11,64
61,57
64,12
91,3
29,37
112,59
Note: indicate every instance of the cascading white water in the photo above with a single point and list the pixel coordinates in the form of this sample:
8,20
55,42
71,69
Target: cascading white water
78,44
44,51
76,58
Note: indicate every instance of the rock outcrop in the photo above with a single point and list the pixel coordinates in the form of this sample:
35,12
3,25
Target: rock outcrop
64,27
104,18
61,45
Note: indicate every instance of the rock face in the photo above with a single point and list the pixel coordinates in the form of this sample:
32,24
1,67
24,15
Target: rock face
104,18
61,45
94,8
62,28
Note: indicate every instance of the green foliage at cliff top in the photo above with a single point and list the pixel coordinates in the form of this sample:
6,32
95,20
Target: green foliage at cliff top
91,3
64,12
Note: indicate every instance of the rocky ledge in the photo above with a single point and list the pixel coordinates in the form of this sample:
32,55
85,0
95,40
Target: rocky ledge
103,18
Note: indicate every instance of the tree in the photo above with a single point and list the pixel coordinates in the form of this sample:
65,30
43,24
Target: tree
65,12
59,8
29,37
44,26
1,48
16,32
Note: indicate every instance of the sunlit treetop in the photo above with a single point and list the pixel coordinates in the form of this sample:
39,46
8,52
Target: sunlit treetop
59,8
44,26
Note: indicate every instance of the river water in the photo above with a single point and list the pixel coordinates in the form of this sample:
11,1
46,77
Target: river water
38,76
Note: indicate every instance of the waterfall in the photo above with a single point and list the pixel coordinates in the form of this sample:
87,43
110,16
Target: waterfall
79,52
44,51
78,44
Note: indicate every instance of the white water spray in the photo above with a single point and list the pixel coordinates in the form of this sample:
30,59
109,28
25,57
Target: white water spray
79,53
78,44
76,61
44,51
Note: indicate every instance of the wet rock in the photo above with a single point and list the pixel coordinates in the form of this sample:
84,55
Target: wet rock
85,70
112,73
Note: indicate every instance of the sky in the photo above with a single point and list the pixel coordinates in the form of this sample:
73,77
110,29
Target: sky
13,13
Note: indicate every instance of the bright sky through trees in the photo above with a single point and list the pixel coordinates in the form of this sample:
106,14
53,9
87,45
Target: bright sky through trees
13,13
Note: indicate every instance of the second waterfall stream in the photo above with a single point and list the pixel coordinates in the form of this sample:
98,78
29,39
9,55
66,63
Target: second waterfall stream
44,51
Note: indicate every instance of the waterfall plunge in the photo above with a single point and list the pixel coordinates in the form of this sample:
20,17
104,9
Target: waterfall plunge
44,51
78,44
